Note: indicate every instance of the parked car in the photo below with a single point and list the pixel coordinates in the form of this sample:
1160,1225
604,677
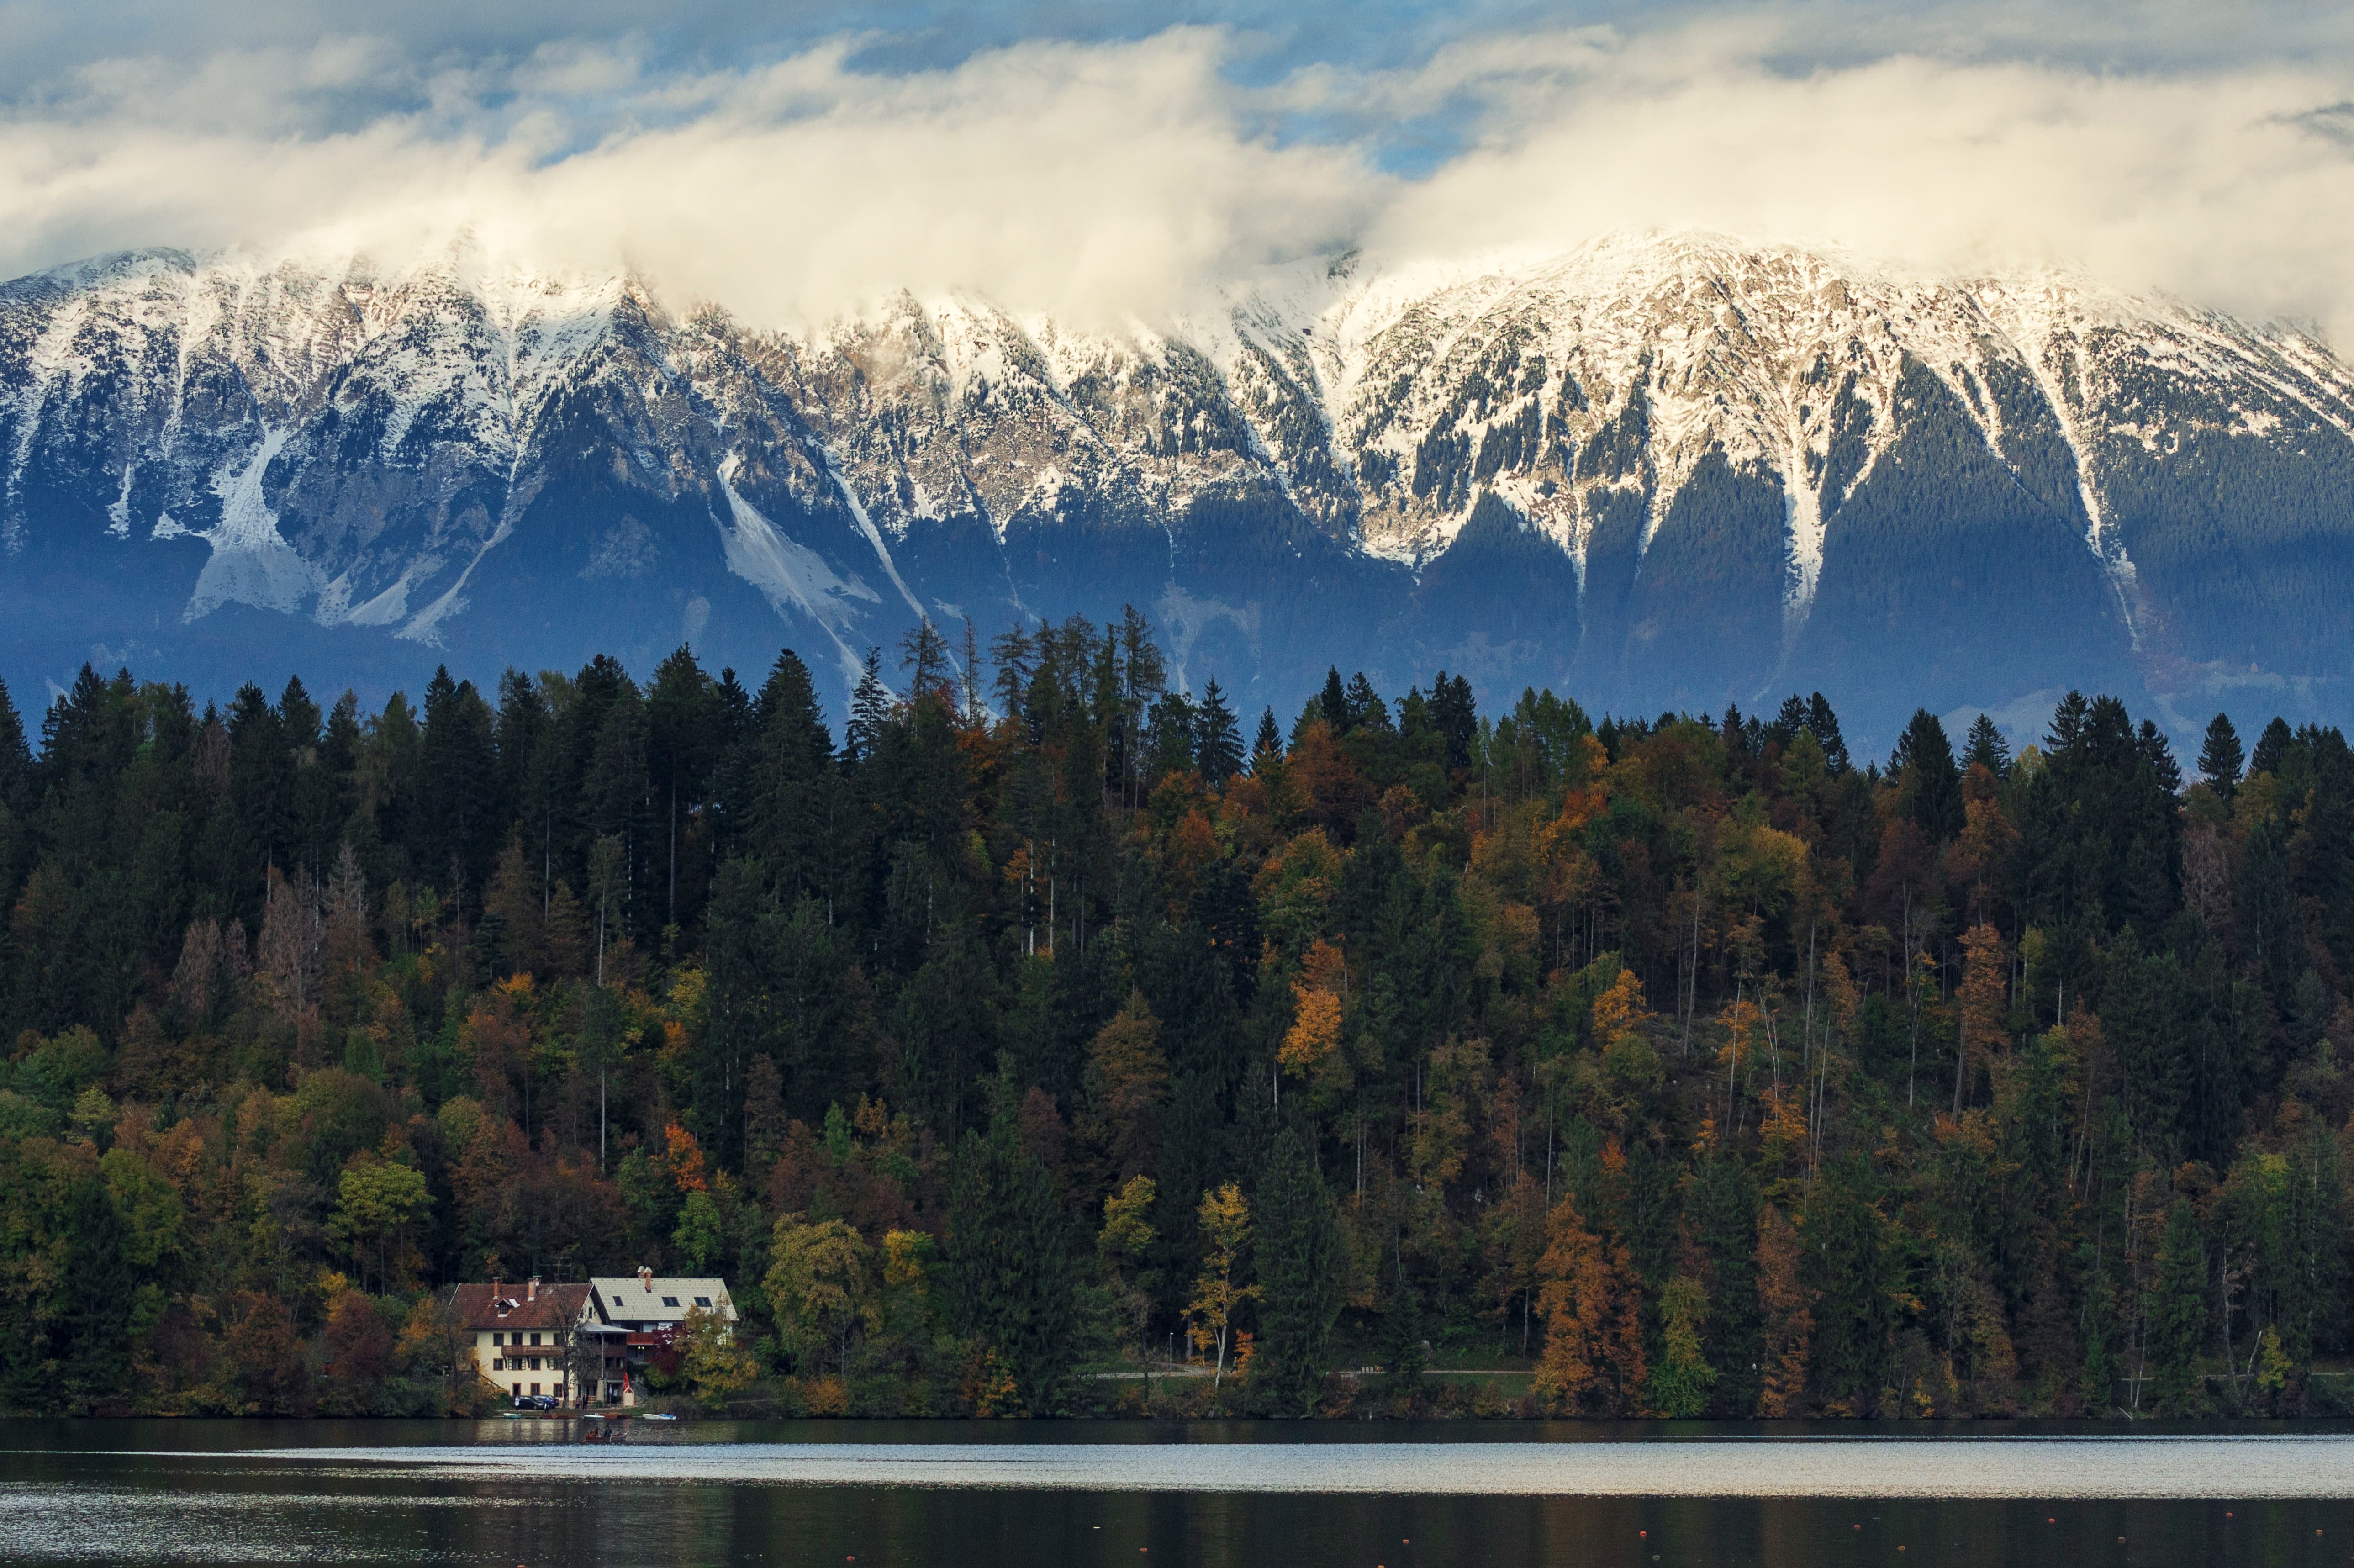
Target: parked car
535,1401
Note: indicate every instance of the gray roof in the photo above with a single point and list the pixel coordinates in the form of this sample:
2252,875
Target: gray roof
625,1300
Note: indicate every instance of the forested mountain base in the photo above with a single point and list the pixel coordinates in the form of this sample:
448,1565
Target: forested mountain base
1039,1027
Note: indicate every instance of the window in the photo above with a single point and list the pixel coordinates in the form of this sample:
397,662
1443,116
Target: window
518,1388
535,1366
535,1391
499,1337
703,1301
535,1339
669,1300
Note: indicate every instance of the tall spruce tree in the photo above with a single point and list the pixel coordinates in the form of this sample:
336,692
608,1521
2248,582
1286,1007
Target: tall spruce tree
1218,739
2271,748
2219,756
1986,749
1924,765
1009,1263
2177,1314
1299,1272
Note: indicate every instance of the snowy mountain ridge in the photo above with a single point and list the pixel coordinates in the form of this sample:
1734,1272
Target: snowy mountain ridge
1661,470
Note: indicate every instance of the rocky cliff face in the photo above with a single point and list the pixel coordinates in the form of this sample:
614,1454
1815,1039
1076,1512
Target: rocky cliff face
1662,471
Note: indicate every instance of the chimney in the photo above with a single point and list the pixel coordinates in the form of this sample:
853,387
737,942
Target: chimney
494,1295
531,1289
645,1279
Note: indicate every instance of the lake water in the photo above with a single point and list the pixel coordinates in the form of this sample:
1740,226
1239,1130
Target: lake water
1395,1495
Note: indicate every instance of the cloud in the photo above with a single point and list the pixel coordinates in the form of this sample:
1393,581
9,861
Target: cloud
1102,179
1124,176
2232,187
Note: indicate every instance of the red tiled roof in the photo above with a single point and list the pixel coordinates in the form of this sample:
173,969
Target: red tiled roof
556,1306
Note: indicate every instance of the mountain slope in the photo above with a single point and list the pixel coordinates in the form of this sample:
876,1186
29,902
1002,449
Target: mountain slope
1662,471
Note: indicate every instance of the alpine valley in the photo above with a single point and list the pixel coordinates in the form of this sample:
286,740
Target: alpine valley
1660,472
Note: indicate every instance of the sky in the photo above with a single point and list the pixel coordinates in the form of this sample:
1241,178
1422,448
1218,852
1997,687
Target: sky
1117,161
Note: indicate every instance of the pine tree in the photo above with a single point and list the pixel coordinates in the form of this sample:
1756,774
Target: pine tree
2271,748
1299,1269
1825,724
1269,746
923,655
2177,1315
1986,749
2220,758
1788,720
1924,763
1009,1265
1332,704
1854,1285
1218,740
17,757
871,709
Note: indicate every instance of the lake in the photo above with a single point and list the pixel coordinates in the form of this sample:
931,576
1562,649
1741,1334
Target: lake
1395,1495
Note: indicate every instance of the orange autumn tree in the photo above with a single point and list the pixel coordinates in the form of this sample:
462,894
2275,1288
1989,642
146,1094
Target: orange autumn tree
1316,1018
1788,1309
1985,999
1593,1361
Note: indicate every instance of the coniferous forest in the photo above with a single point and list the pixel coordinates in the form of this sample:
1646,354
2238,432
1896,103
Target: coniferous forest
1033,1025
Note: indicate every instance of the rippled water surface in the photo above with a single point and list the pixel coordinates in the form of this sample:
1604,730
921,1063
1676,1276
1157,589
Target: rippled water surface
1395,1496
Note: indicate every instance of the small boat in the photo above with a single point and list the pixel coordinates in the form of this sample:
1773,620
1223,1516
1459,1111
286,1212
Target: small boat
656,1415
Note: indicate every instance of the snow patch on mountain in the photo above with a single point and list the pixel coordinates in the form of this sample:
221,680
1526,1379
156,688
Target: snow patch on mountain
250,563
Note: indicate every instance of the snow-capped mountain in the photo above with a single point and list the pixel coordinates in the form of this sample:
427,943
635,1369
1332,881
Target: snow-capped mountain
1660,471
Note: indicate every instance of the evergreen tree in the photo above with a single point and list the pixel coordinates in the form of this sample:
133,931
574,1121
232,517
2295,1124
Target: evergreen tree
1826,725
871,707
1299,1272
1332,702
457,822
2177,1315
1452,710
15,757
92,1334
1218,739
1009,1263
2271,748
1854,1282
1986,749
1923,764
2220,758
1682,1379
1269,746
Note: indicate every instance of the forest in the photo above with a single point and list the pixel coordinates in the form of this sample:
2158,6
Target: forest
1045,1038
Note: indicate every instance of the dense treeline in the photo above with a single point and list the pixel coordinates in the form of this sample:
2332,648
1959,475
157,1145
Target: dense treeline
1042,1023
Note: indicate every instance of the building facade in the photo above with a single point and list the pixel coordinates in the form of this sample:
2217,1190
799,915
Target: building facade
582,1345
527,1337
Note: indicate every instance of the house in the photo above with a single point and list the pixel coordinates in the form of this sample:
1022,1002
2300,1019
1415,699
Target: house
527,1338
580,1344
639,1313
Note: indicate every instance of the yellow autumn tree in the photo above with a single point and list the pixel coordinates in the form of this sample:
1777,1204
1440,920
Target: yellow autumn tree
1218,1293
1620,1017
1593,1361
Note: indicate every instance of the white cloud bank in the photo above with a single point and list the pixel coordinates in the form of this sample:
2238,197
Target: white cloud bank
1117,178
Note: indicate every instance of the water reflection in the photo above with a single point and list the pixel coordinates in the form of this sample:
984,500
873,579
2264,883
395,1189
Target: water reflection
200,1492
